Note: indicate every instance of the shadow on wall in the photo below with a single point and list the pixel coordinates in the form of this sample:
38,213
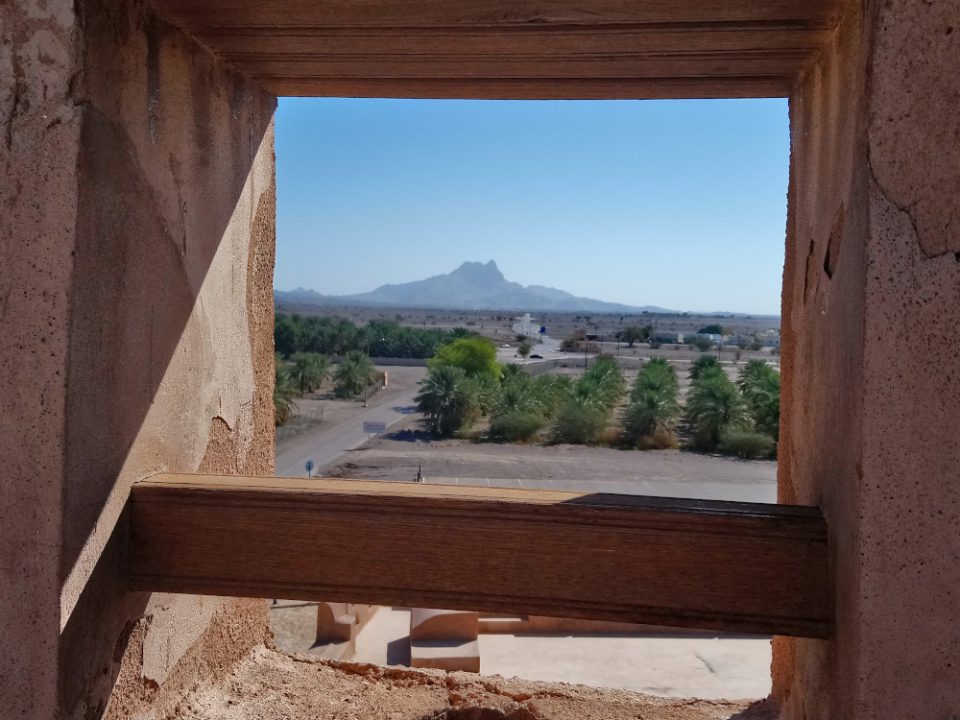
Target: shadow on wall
171,328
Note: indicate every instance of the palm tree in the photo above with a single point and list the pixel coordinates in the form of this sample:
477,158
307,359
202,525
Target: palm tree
447,399
584,414
310,370
284,392
353,374
703,365
760,385
581,418
715,406
651,417
604,382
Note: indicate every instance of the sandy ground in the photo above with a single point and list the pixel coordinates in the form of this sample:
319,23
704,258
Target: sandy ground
692,665
668,473
269,685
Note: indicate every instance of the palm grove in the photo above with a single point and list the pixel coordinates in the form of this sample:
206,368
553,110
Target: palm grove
304,345
465,384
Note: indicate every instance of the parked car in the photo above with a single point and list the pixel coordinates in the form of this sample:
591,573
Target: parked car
536,357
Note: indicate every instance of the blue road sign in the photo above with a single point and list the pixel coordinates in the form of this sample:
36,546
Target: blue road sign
309,466
543,329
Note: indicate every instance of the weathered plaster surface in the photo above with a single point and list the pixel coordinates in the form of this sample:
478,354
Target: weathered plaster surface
39,133
871,361
173,270
137,227
914,123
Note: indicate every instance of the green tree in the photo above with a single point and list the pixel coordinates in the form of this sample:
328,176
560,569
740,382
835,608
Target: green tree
712,329
581,419
519,412
635,333
284,392
760,385
704,365
309,370
510,370
447,399
353,374
524,349
715,407
651,416
584,413
287,335
473,355
604,381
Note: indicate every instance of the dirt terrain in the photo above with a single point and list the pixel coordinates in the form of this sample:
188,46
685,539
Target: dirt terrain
569,467
271,685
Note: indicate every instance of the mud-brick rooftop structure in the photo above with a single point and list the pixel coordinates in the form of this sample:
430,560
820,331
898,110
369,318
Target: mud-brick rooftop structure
137,208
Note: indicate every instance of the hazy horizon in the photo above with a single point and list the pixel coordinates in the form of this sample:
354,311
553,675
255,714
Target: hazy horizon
695,311
678,204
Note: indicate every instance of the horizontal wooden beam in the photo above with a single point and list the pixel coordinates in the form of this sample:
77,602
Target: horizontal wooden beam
515,49
685,563
495,13
527,89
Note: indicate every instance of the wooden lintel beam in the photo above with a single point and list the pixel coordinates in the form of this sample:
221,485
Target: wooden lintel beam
684,563
532,89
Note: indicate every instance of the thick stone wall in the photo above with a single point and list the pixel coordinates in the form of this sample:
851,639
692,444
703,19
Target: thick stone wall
871,358
40,125
141,229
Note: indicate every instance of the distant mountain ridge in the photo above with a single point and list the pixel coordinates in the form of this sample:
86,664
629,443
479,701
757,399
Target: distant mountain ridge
472,286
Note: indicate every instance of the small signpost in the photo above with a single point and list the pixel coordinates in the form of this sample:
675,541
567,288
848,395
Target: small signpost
309,466
374,428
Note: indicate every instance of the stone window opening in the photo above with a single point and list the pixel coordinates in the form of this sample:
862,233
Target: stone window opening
137,240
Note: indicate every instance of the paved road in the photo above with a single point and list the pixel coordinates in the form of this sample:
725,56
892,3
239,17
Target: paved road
328,442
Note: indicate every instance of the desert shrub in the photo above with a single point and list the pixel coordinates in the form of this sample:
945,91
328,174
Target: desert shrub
580,421
748,445
516,425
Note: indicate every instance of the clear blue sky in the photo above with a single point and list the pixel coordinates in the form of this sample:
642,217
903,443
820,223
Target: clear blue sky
678,203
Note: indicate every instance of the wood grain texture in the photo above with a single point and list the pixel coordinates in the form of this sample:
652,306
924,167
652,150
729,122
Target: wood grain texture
514,48
527,89
683,563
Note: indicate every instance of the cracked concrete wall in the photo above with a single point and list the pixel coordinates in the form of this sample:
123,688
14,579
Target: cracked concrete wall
138,219
871,359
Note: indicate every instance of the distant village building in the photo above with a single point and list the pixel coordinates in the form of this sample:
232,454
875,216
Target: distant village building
662,336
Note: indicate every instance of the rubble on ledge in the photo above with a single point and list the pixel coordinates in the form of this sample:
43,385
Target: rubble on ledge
272,685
